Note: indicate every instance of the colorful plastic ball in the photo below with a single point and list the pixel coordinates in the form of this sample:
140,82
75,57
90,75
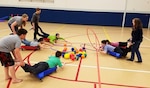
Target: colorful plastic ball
72,49
67,56
85,55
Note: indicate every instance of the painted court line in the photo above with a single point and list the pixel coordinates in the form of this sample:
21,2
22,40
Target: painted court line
107,68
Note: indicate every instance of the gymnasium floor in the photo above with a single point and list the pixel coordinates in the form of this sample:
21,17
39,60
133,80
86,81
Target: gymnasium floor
95,71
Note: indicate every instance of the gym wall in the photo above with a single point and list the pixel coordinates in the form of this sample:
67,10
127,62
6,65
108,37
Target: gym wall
90,12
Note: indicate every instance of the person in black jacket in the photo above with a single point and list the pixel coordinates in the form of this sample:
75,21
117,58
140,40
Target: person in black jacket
136,39
35,23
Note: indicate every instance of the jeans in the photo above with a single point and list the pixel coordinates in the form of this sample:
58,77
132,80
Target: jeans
135,49
26,42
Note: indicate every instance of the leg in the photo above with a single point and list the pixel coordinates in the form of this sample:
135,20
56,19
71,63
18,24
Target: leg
35,31
125,51
41,66
7,76
27,68
138,54
13,75
42,30
118,50
122,44
8,62
132,52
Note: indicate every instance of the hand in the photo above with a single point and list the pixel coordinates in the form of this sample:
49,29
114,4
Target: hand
22,63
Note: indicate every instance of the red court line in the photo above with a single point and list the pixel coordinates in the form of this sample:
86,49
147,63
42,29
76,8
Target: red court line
98,66
27,57
128,86
78,69
94,83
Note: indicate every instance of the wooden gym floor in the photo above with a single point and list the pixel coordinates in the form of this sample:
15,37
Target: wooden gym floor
95,71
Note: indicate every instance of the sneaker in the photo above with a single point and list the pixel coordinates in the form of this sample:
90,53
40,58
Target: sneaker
129,59
138,61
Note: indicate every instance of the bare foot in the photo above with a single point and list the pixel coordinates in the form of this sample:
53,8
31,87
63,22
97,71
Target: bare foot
7,78
17,81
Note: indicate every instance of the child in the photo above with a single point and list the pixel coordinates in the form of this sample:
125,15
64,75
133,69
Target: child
106,47
38,43
53,61
124,46
35,23
10,45
52,38
136,39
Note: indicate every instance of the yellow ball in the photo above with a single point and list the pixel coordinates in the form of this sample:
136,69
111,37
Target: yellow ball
67,56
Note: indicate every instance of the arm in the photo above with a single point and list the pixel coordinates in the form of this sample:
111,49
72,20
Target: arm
60,65
52,41
47,43
33,20
17,56
101,49
33,25
61,38
104,52
13,27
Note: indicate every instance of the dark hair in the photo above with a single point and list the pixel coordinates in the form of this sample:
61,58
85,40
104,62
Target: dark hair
57,34
41,39
107,41
138,23
38,9
103,42
58,53
22,31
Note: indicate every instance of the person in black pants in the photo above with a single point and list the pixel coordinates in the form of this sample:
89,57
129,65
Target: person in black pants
35,23
36,68
137,37
53,61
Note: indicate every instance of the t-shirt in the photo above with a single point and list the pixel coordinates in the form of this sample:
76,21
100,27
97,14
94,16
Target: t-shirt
53,38
54,61
18,19
34,43
35,18
108,47
115,44
9,43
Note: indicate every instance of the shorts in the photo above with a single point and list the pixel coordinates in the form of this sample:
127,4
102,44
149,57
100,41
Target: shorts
6,59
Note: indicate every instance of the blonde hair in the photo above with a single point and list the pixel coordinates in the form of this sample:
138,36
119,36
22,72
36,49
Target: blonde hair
24,16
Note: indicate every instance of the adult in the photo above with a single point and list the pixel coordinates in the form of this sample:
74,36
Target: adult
17,22
11,44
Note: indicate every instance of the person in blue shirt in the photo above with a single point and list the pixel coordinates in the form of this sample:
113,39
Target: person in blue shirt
105,47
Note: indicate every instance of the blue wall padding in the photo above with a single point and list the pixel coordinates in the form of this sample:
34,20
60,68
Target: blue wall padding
79,17
46,72
4,18
114,54
144,18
